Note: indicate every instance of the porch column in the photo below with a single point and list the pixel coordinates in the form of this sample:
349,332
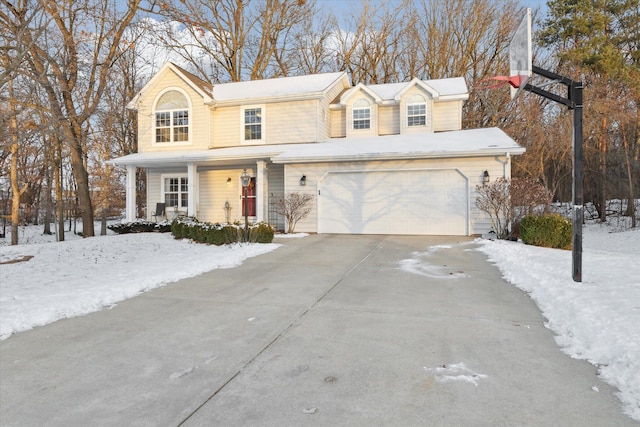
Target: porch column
261,189
192,171
130,209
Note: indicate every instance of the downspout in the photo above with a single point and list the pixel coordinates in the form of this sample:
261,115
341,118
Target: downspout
507,166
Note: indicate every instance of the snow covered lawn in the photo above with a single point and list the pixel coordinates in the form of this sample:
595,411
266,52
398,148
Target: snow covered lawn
597,320
80,276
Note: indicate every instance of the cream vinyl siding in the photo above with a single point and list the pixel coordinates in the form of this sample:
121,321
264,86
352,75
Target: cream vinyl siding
405,129
473,168
154,188
285,123
338,123
198,118
373,130
325,116
388,120
226,127
292,122
447,116
214,192
292,175
275,177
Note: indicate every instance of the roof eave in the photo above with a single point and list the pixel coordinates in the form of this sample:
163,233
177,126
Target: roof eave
400,156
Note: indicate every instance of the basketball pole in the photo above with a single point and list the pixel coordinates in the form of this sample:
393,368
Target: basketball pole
573,101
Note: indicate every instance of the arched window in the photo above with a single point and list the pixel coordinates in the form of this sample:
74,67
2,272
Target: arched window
172,117
416,111
361,114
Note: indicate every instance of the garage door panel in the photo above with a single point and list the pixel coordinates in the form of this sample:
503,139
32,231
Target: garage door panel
394,202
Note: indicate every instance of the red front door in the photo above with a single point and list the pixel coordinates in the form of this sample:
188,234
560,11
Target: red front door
251,199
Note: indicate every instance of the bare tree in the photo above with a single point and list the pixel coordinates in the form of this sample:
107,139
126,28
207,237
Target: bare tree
294,207
72,62
247,39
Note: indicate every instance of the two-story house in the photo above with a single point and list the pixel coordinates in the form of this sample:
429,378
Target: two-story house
378,159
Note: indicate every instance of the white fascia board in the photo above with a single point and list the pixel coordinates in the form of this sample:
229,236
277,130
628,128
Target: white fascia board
343,76
266,100
460,97
398,156
337,106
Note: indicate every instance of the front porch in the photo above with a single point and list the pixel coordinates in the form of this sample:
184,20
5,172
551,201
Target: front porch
210,191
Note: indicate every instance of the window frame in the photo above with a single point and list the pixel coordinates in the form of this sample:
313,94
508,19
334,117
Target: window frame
366,119
262,124
173,118
182,195
412,103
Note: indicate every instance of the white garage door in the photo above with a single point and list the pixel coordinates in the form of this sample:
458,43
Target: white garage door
432,202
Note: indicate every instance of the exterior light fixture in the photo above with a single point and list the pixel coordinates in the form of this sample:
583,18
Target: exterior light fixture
485,177
228,181
245,179
303,180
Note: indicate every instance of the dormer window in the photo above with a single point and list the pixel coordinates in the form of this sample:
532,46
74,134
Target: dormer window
416,111
172,118
361,114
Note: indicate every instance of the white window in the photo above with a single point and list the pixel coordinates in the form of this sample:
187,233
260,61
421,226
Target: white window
416,111
176,191
253,123
361,114
172,118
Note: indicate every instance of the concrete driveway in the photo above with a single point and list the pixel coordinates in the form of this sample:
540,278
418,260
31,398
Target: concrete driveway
327,330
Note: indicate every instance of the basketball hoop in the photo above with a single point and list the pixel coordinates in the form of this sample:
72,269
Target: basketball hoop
499,81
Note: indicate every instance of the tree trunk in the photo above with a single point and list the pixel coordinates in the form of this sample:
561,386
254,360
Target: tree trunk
631,211
48,187
16,191
57,176
603,172
81,175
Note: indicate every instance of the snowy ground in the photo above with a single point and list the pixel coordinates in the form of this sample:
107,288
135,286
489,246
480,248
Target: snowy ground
597,320
80,276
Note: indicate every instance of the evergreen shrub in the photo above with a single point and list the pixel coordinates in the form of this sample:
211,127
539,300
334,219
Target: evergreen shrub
549,231
140,226
219,234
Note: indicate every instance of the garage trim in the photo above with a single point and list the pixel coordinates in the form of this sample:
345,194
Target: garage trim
352,171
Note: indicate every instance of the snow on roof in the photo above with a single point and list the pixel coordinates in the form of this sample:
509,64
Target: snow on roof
455,86
387,91
451,86
283,86
463,143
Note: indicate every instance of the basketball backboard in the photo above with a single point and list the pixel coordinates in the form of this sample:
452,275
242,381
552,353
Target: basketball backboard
520,56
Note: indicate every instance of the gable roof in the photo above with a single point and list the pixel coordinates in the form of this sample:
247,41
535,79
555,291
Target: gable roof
389,93
200,86
195,80
296,87
360,87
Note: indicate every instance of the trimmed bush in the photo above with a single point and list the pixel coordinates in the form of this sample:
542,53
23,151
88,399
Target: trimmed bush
261,233
219,234
549,231
141,226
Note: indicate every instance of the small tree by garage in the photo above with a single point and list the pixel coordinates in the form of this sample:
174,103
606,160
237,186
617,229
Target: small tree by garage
294,207
508,201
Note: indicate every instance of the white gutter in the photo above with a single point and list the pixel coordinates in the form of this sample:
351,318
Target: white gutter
265,100
394,156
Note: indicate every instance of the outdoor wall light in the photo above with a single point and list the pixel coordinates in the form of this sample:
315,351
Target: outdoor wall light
228,181
485,177
303,180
